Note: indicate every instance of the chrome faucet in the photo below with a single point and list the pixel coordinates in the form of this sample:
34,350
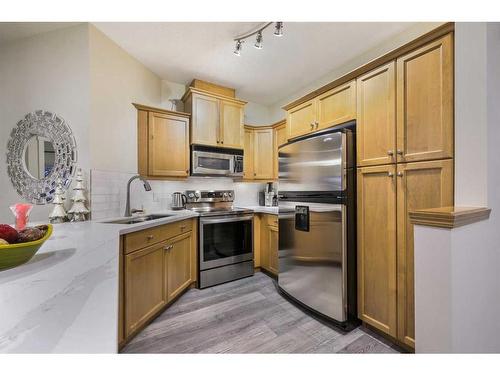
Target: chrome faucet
147,187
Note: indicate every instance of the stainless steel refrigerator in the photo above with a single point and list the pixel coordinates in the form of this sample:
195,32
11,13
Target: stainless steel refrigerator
317,218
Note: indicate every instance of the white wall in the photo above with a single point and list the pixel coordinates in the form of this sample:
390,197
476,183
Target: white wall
457,310
116,81
275,111
470,114
48,71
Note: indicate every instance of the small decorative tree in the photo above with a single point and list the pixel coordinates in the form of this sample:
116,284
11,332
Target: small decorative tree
78,210
58,214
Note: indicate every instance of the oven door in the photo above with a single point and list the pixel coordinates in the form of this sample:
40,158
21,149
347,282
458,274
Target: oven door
225,240
212,163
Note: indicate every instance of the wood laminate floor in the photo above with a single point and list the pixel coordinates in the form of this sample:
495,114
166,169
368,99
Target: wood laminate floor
247,316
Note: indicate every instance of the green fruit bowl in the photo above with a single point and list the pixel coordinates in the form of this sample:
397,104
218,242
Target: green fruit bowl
14,255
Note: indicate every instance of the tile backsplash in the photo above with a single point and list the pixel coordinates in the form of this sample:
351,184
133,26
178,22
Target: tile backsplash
108,192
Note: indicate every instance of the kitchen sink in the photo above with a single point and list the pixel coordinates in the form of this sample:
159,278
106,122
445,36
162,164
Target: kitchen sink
137,219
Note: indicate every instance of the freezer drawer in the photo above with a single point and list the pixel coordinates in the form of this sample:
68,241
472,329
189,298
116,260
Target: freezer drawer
312,258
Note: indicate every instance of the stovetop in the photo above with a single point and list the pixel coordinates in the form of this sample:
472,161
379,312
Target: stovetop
220,211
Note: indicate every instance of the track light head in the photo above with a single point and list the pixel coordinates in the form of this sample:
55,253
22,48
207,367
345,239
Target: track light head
239,46
278,29
259,40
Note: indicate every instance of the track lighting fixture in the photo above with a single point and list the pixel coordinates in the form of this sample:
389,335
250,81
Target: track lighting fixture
258,40
278,31
239,45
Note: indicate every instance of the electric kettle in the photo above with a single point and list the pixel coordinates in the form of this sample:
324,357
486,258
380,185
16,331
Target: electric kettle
178,201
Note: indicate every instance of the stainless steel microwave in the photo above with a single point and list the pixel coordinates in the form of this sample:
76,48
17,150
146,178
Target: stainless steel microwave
215,161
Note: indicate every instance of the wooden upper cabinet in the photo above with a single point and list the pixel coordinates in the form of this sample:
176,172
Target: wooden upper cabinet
205,115
248,154
377,247
231,124
331,108
216,120
336,106
376,116
419,185
301,119
263,159
144,286
279,139
168,145
425,102
163,142
178,265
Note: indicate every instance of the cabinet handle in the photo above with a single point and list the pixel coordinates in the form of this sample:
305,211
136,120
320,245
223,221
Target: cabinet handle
390,152
400,174
222,142
183,227
255,174
317,124
312,125
390,174
150,237
399,152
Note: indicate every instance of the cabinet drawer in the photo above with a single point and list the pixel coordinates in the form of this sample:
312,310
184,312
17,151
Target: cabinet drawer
138,240
272,220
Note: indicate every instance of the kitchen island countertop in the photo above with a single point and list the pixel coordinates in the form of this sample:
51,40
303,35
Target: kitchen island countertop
65,299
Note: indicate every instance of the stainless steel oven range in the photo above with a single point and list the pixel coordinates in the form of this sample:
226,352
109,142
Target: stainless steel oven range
225,249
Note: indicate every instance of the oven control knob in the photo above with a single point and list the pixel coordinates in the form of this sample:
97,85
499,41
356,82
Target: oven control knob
191,195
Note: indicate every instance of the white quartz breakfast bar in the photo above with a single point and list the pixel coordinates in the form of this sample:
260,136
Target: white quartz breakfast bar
65,299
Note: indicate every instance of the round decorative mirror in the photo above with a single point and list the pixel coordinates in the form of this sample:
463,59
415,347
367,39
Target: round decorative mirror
41,149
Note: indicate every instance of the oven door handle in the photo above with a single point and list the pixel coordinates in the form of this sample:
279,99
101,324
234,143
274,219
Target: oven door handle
225,219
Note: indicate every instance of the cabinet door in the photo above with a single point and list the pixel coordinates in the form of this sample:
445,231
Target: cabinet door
231,126
273,249
336,106
377,247
301,119
248,155
263,154
420,185
425,102
168,146
279,139
376,116
178,262
264,242
205,120
144,286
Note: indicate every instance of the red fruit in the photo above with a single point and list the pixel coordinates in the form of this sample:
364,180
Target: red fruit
8,233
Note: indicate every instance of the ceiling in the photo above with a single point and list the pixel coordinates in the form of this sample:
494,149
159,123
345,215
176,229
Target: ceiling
180,51
11,31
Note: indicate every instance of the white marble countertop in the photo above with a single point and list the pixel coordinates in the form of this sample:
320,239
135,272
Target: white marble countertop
65,299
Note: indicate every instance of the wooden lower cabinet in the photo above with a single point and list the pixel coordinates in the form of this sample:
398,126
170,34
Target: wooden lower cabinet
268,243
273,249
377,247
144,286
178,261
419,185
153,276
386,298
